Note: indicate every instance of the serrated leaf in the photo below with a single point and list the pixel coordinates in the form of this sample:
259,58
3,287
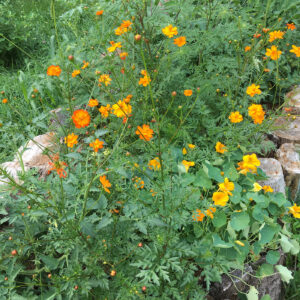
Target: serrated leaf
50,262
100,132
104,222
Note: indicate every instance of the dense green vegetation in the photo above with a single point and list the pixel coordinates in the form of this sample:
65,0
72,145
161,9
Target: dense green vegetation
142,199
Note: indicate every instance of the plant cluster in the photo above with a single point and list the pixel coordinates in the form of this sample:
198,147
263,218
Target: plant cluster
153,189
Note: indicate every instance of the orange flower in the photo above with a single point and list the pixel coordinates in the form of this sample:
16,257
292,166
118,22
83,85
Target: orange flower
188,93
267,70
210,212
97,144
75,73
257,35
123,28
145,132
220,198
220,148
58,166
188,164
4,100
123,55
71,140
105,183
53,71
274,35
105,79
154,164
170,31
235,117
121,109
257,113
180,41
85,65
93,102
295,50
144,80
105,110
81,118
247,48
199,216
291,26
114,46
265,30
99,12
267,189
253,90
273,52
139,183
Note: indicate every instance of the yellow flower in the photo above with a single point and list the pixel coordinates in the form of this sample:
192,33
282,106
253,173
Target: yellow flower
256,187
93,103
71,140
295,210
170,31
276,35
75,73
188,164
226,186
295,50
273,52
240,243
220,198
139,183
184,152
191,146
123,28
247,48
199,216
145,132
253,90
188,93
235,117
180,41
85,65
249,164
154,164
220,148
121,109
105,110
257,113
267,189
144,80
114,46
104,79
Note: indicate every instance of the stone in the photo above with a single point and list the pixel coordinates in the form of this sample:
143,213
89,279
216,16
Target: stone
287,129
273,170
30,156
289,158
293,98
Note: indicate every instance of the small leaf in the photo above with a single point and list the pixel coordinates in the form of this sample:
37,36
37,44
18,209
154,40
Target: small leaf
272,257
285,273
252,294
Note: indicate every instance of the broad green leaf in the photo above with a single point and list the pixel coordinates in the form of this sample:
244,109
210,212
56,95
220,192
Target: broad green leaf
266,270
266,297
252,294
259,213
239,221
285,273
272,257
267,233
219,219
279,199
202,180
214,173
218,242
